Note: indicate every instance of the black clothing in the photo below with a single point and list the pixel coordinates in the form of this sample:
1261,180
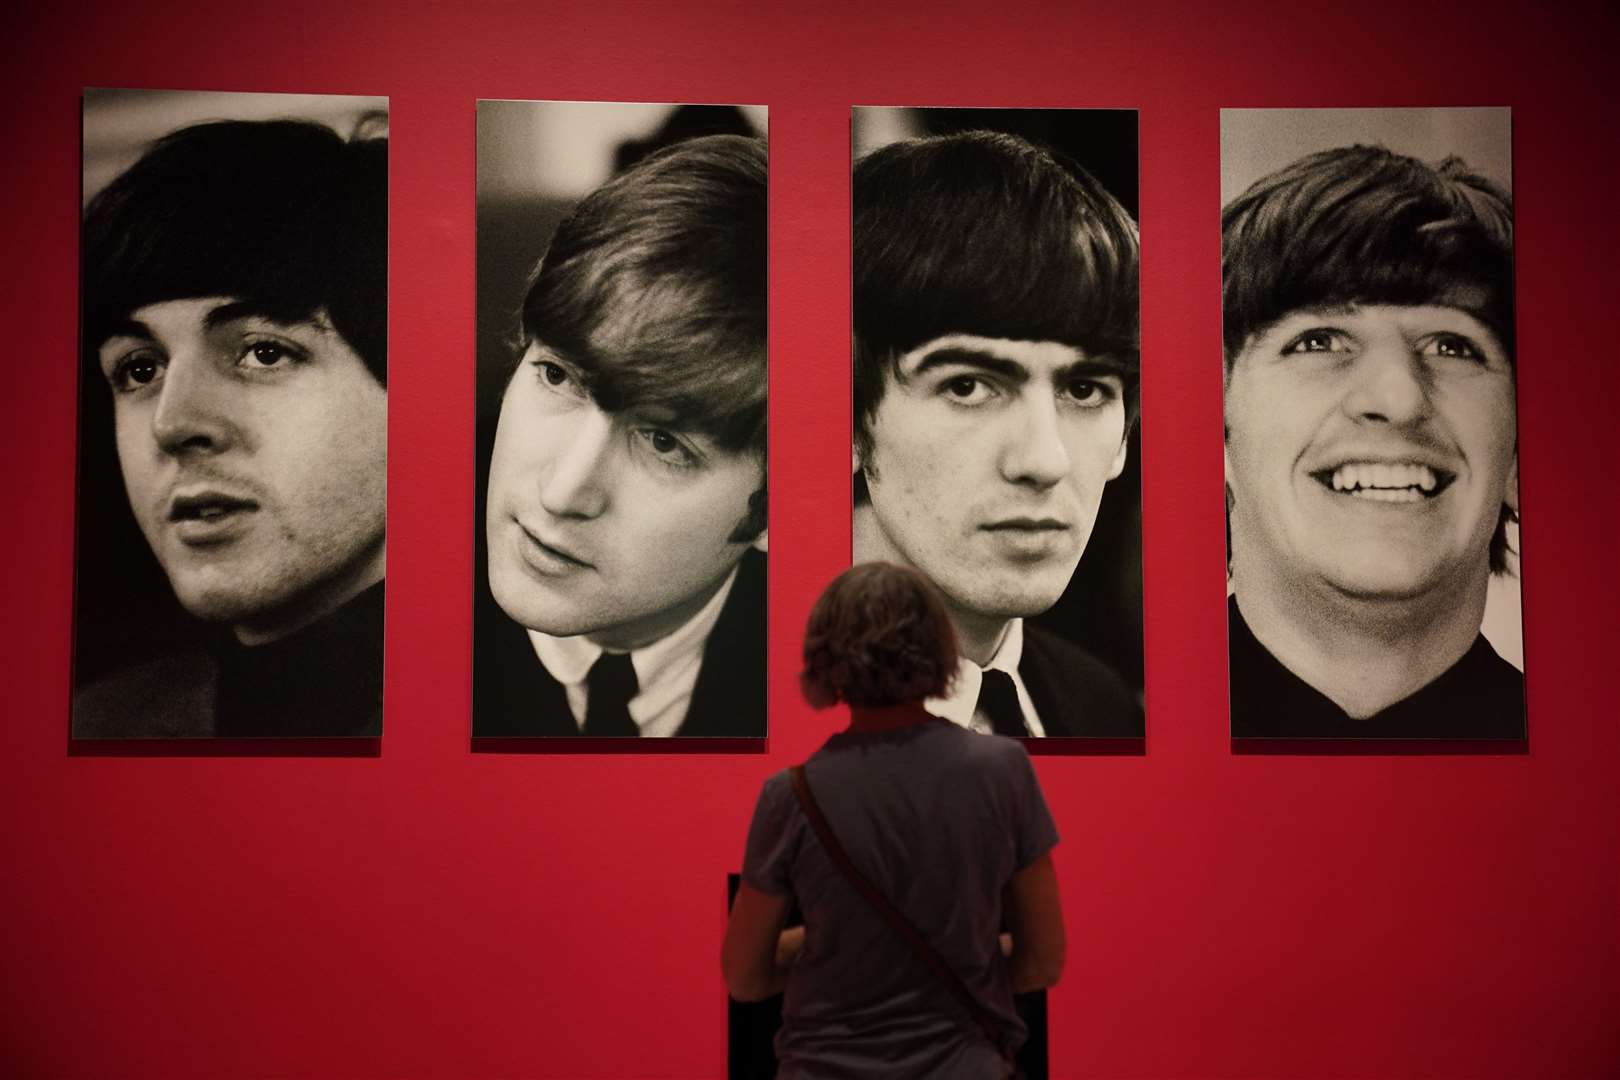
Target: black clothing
998,700
612,682
1074,693
324,680
1481,696
514,696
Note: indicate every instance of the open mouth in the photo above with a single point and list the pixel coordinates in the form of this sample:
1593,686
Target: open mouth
210,506
1385,481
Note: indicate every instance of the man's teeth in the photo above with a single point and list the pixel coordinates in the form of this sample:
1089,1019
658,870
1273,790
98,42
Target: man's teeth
1386,482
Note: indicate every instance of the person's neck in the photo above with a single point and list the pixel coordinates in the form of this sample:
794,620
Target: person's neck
978,636
866,719
1363,653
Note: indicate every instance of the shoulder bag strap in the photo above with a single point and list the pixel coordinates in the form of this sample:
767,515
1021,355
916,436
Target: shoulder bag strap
925,952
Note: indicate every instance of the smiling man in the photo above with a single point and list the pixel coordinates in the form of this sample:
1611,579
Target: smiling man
625,508
1371,448
234,297
995,381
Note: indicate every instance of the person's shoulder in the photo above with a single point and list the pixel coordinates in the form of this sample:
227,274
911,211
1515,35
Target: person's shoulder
1074,692
170,697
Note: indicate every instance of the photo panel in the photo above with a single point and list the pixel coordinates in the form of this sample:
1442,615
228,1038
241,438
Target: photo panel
1371,445
620,551
996,442
233,409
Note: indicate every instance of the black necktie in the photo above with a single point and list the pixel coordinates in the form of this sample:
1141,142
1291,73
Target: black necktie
998,702
609,688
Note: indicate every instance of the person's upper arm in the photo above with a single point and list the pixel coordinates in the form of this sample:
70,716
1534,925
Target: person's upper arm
748,954
1035,917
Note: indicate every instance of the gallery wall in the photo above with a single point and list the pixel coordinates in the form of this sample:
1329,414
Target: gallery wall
424,909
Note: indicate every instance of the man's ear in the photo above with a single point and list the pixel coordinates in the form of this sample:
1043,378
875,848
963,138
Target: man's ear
1510,487
1118,465
854,459
759,543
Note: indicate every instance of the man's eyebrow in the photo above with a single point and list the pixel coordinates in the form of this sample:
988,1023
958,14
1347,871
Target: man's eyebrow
957,356
235,310
128,328
1097,365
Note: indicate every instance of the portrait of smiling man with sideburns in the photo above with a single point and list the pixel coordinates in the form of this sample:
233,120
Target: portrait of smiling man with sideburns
1371,448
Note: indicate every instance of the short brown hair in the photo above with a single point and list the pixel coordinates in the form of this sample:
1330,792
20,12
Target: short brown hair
879,635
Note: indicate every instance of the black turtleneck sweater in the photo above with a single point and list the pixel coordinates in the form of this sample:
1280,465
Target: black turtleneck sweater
323,681
1481,696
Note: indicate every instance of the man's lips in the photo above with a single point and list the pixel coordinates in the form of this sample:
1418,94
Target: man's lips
1026,524
1385,480
208,504
549,555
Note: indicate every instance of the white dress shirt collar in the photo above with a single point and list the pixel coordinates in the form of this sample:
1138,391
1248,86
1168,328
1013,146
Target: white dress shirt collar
666,670
958,705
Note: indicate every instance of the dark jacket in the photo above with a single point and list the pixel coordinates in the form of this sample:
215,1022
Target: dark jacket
1074,693
515,697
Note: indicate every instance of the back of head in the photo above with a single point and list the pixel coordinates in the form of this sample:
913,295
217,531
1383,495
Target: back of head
986,234
285,214
879,635
653,288
1364,225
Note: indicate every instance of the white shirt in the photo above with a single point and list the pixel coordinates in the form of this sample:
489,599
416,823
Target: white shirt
666,671
958,705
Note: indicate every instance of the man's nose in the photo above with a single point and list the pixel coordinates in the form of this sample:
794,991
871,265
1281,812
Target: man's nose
1391,384
579,483
195,408
1034,452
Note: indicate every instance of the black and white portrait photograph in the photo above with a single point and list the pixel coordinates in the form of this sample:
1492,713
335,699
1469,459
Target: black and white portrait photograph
1371,462
232,416
995,437
619,585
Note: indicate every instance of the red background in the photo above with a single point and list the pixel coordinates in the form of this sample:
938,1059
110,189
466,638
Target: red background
431,911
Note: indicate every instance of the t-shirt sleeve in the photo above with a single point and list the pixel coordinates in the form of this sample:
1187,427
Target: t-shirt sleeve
773,839
1037,832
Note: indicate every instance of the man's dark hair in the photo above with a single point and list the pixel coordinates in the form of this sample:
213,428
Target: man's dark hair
1364,225
653,289
286,215
986,234
878,635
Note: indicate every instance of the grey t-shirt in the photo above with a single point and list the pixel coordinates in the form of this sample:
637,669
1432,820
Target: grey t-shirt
939,819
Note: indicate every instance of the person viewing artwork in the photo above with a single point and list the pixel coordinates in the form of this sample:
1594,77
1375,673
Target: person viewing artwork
950,826
995,387
622,584
1371,445
233,415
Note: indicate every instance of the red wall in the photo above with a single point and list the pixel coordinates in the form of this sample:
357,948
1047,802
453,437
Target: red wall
431,911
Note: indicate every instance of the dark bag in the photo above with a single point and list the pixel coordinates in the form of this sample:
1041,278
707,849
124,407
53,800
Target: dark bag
982,1017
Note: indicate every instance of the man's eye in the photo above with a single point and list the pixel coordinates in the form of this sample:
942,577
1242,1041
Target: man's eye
1090,392
1453,345
267,354
135,371
1315,341
553,374
668,448
965,389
